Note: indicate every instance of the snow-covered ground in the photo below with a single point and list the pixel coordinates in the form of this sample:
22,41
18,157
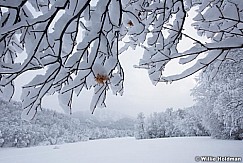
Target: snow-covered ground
125,150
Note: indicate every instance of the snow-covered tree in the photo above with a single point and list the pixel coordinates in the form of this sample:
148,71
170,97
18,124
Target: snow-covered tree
220,97
1,139
140,127
77,43
191,123
152,126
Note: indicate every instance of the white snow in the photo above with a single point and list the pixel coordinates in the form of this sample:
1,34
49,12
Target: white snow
99,69
126,150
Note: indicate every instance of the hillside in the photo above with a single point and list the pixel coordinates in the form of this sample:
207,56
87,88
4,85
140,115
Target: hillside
106,118
50,127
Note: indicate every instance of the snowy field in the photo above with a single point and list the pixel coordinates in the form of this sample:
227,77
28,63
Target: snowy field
125,150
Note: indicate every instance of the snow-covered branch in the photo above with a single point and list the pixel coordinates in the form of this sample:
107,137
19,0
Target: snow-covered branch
76,43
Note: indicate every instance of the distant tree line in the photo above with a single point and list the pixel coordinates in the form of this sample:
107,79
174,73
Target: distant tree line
50,127
170,123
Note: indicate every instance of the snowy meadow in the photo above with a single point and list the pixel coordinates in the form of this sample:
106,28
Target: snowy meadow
126,150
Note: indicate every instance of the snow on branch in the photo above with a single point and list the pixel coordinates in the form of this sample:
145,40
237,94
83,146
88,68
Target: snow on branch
219,21
76,43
